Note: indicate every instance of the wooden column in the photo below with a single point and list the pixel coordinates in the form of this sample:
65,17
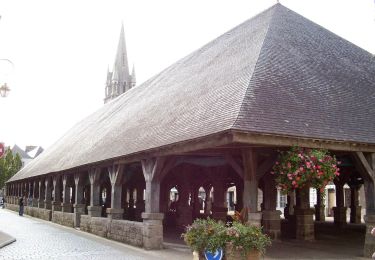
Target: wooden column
94,210
79,205
56,203
152,218
41,194
66,205
115,174
355,208
250,193
339,212
366,167
319,207
48,192
271,216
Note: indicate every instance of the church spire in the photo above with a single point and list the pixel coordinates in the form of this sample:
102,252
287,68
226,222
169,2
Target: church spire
121,67
119,80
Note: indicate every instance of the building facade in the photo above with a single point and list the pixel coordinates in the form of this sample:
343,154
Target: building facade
215,120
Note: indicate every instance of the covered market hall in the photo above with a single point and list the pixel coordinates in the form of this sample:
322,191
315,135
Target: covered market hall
171,149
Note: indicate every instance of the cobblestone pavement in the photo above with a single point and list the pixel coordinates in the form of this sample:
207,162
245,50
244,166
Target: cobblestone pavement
38,239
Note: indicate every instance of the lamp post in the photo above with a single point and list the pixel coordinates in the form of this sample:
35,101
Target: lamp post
4,88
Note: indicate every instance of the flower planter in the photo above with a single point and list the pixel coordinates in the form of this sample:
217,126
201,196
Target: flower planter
236,255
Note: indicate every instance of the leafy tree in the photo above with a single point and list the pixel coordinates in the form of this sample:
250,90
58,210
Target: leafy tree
9,165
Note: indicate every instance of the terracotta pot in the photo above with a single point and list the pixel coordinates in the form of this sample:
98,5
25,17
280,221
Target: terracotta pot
236,255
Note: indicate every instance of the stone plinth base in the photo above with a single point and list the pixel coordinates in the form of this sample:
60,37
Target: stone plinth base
94,211
113,213
79,209
152,230
35,203
355,214
369,247
56,206
66,207
271,223
304,224
319,213
254,219
339,214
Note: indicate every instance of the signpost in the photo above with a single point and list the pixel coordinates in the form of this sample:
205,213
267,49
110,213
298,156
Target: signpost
217,255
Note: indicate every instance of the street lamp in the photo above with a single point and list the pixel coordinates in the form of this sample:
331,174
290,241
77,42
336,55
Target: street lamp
4,90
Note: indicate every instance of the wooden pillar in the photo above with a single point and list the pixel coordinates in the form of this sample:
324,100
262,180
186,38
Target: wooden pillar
366,167
56,203
48,193
66,205
355,208
152,218
304,215
219,209
250,193
319,207
94,210
41,194
271,216
115,174
35,193
79,205
339,212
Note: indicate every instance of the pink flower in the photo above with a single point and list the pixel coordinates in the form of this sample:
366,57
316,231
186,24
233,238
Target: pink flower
289,165
272,172
308,165
294,182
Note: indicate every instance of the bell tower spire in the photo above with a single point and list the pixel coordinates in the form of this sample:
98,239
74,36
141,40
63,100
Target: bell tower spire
120,80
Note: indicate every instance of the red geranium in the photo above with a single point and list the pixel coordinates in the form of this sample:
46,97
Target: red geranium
301,167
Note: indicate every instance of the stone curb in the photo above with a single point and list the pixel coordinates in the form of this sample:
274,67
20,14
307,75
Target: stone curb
5,239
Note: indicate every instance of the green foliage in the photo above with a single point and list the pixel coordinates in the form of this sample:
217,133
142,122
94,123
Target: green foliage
205,234
303,167
211,235
9,165
244,238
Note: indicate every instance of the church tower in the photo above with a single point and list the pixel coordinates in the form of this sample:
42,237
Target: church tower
119,80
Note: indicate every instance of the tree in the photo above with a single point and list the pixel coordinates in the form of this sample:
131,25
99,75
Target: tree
9,165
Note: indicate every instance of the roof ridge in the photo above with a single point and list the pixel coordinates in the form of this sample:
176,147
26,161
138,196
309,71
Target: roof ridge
257,59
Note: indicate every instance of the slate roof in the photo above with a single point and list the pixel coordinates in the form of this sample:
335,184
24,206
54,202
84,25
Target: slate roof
277,73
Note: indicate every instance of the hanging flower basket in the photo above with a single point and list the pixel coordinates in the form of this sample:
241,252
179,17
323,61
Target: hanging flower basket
303,167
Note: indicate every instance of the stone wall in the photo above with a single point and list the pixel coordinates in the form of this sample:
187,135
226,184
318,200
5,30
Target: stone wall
13,207
63,218
32,211
85,223
99,226
129,232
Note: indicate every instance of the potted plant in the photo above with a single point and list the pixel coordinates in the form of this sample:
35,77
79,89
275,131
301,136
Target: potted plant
245,241
239,241
302,168
205,235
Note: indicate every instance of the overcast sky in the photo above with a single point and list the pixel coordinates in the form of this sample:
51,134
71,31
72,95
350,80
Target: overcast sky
61,49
